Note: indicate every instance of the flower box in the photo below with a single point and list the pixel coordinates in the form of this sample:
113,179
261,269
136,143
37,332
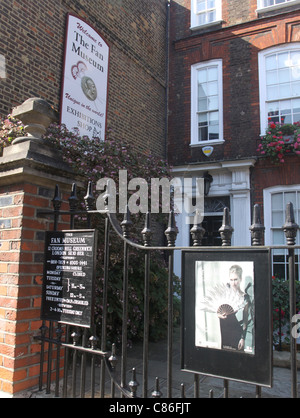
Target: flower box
280,141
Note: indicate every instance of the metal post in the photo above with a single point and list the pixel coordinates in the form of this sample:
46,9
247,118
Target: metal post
226,229
257,229
49,368
226,232
83,366
125,227
197,233
59,334
73,203
56,202
146,233
104,303
43,330
171,234
290,228
75,336
94,341
257,238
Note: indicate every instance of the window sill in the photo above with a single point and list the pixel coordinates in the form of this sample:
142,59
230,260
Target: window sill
207,143
276,7
206,25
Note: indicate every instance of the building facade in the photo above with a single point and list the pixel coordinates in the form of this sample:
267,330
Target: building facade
194,80
31,65
32,58
234,67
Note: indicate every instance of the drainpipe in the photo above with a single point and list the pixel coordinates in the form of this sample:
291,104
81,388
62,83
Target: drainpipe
168,5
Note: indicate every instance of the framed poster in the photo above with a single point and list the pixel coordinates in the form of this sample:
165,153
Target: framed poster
227,316
69,276
85,79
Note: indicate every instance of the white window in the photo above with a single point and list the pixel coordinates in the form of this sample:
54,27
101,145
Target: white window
275,202
274,4
2,67
279,78
205,12
206,103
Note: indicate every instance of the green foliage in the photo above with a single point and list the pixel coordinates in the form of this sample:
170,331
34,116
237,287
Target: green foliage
95,159
281,309
158,299
280,140
10,128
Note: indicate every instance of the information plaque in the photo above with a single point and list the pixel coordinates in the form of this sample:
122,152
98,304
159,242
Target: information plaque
69,276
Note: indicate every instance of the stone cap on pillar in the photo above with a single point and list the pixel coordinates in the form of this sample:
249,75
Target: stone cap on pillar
30,157
36,114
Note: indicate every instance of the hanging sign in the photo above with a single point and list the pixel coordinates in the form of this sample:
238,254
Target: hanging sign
85,79
69,274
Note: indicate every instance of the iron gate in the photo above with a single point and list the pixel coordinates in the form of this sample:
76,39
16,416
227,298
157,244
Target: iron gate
84,347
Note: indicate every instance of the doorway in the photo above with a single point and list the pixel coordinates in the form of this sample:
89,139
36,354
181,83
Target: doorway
212,224
214,207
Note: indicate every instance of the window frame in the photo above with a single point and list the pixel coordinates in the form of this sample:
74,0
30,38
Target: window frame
261,8
263,82
269,228
194,103
194,15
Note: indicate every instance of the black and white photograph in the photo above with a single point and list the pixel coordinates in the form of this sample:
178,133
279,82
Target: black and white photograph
224,306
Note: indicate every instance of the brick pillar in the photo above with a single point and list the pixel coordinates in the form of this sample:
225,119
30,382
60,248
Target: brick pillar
29,171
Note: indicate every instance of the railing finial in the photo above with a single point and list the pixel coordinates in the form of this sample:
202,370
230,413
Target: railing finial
133,384
171,232
226,229
257,229
89,198
126,223
197,231
56,201
146,232
156,393
290,227
73,200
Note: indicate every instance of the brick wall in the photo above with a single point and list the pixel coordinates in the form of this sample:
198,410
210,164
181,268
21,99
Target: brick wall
238,46
21,268
33,46
236,11
266,175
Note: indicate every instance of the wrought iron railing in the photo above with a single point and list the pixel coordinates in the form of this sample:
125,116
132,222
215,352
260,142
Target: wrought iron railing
83,345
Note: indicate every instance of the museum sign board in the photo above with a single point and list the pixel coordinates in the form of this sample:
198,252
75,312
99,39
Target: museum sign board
85,79
69,277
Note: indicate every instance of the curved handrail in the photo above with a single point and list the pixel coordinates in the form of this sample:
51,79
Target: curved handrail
110,370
